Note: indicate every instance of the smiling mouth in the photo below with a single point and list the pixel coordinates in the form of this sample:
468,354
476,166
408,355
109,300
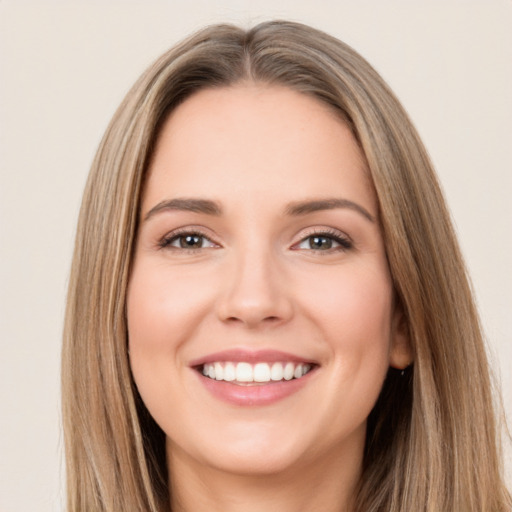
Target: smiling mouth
247,374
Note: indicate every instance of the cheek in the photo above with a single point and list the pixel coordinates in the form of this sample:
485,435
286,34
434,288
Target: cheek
353,309
357,328
163,306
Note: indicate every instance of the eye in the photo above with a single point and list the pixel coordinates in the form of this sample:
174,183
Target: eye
187,241
324,242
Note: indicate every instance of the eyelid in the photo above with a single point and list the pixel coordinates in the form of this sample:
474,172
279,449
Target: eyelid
342,239
165,241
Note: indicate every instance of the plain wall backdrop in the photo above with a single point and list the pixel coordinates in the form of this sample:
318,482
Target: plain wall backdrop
64,68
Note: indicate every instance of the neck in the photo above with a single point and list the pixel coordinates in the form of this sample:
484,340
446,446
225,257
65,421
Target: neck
329,486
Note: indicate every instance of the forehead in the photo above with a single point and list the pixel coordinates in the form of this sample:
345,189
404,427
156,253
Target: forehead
254,140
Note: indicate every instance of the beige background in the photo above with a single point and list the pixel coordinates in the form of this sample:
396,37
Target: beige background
64,67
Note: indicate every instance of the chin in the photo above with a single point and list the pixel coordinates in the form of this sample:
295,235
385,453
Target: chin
256,460
243,448
260,448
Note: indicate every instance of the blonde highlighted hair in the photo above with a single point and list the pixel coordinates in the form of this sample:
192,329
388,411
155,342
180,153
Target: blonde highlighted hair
432,443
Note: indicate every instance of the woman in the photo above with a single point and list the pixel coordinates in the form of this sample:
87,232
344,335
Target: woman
268,307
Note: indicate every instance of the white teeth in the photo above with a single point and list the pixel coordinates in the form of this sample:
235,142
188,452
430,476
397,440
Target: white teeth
277,371
229,372
260,372
219,371
244,372
288,371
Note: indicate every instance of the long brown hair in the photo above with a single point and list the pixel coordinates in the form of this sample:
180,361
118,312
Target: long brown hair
432,441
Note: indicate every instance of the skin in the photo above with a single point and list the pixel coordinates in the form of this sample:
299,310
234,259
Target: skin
254,282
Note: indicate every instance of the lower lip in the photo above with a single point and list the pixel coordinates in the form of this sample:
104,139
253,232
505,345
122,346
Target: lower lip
253,395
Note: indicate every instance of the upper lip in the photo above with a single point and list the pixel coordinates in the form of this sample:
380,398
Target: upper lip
250,356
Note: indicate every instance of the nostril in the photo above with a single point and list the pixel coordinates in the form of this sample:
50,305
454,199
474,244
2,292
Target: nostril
245,320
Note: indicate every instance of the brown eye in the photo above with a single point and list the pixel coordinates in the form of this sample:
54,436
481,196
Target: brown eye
190,241
324,242
320,242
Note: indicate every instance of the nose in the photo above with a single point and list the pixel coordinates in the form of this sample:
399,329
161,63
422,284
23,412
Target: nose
255,292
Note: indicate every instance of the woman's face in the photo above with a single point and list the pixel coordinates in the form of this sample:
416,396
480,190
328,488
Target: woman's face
260,263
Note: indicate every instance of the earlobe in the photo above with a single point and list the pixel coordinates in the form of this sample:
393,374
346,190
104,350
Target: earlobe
400,355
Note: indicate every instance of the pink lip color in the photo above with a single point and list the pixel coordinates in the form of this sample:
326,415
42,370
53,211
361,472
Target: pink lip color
253,395
258,356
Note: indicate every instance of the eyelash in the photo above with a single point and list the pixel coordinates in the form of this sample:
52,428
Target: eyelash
168,239
344,243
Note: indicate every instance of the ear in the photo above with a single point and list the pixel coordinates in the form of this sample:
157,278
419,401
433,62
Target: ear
400,354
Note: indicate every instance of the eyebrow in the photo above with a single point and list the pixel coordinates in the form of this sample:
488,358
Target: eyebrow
316,205
205,206
295,209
